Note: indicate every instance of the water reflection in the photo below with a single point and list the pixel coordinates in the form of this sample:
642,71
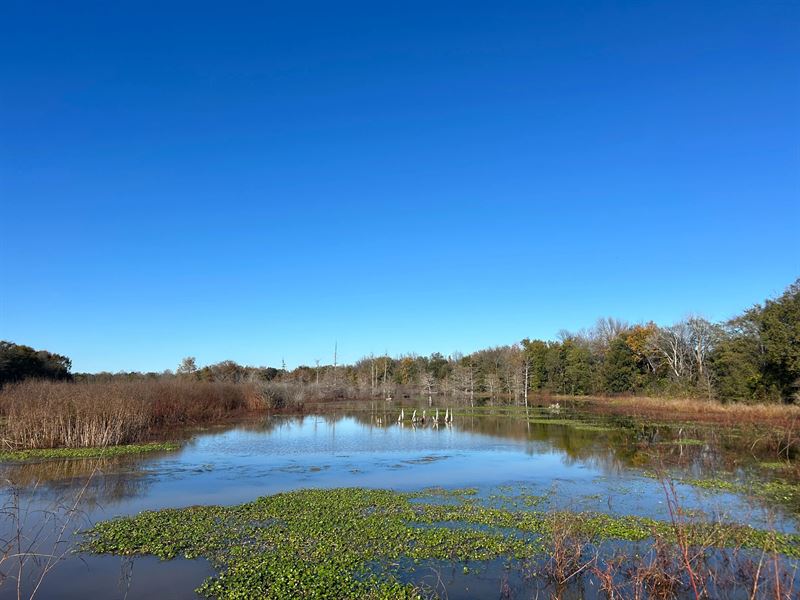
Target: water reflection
575,460
105,481
343,442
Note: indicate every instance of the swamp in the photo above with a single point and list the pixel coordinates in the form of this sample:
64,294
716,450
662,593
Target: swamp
348,501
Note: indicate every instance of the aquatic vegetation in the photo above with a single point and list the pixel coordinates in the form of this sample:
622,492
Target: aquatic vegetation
313,543
440,492
100,452
574,423
684,442
593,427
721,485
353,543
554,421
778,492
359,543
775,465
781,491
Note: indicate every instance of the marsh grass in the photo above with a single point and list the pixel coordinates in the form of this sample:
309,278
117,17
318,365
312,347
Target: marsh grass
787,417
45,414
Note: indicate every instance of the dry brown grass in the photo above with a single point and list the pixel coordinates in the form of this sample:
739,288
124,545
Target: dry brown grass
46,414
690,409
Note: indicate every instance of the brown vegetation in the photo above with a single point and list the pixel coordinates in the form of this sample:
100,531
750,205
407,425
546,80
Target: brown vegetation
46,414
673,565
690,409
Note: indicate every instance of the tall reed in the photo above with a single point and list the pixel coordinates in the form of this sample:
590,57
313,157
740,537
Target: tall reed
46,414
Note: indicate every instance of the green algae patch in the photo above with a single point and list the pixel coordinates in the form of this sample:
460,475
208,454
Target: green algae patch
99,452
351,542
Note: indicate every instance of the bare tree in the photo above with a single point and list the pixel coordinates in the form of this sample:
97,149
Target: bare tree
427,381
464,380
513,373
373,375
703,336
526,368
187,367
335,363
606,330
385,376
492,384
673,344
471,372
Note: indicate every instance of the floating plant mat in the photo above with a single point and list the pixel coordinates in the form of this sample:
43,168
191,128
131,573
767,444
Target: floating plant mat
91,452
353,542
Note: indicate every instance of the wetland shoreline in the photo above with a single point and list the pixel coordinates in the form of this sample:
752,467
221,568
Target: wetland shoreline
551,490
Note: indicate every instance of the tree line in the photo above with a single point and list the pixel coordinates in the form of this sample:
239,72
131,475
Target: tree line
18,362
754,357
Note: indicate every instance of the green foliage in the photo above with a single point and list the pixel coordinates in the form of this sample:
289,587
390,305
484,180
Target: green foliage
738,368
758,358
102,452
349,543
438,365
536,355
779,326
577,368
555,364
19,362
619,368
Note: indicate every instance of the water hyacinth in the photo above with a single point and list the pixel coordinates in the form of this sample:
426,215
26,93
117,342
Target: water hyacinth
349,542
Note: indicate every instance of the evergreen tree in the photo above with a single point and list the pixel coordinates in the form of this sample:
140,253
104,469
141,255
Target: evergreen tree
619,368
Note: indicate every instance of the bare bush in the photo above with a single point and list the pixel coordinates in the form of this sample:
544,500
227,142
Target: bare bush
281,396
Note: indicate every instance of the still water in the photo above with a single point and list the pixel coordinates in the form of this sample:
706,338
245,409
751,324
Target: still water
576,461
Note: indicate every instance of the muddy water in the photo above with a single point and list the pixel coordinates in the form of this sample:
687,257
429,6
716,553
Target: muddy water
568,460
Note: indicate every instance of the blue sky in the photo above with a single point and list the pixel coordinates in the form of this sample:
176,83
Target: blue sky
256,181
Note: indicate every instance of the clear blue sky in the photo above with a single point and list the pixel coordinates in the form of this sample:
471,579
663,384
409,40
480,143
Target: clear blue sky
256,180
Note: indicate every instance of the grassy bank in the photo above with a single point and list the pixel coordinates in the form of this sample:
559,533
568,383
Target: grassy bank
357,543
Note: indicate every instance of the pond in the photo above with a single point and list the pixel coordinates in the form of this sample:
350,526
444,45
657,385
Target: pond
550,459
